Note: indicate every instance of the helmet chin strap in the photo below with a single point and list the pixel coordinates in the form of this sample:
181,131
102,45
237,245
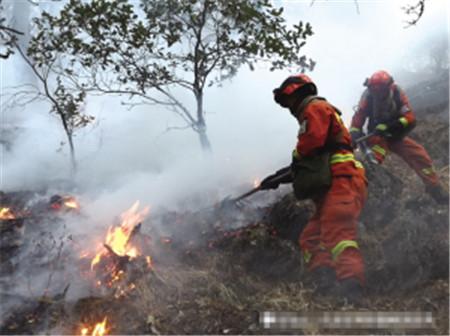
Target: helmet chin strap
300,97
295,106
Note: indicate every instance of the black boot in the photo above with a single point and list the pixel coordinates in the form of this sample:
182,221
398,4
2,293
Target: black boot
351,291
439,194
324,279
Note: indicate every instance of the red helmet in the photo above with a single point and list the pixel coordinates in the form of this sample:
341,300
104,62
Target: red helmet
380,79
291,85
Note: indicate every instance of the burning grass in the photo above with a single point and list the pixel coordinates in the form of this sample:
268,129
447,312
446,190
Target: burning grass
6,213
99,329
167,284
121,258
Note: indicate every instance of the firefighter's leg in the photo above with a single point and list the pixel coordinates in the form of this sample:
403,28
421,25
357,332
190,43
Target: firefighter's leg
314,253
338,223
379,146
417,158
317,258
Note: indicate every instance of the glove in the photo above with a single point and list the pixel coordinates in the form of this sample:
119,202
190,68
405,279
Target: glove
273,181
382,130
355,136
270,182
395,127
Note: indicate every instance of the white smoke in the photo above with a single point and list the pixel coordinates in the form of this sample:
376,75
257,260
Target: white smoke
128,155
251,136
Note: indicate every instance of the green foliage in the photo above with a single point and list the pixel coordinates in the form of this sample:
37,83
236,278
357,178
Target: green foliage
7,36
69,106
145,51
166,41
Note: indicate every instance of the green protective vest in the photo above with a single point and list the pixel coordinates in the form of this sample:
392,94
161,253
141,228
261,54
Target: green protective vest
311,174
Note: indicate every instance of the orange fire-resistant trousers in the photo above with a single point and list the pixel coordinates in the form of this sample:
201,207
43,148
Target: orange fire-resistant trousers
329,238
411,152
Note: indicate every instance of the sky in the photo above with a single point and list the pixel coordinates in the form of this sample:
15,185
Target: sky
129,155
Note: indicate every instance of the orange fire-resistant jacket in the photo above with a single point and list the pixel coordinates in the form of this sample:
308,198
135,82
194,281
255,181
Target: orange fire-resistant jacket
321,125
401,111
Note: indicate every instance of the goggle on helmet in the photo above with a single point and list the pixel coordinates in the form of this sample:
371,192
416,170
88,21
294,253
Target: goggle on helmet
291,85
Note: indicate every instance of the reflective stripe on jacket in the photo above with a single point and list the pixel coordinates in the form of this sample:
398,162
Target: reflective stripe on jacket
320,124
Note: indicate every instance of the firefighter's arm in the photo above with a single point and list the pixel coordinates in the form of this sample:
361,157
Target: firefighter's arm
313,131
273,181
359,118
408,119
405,123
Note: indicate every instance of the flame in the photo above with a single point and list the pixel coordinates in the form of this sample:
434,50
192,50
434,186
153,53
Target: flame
98,330
96,260
149,261
71,202
118,237
256,182
64,203
109,264
5,213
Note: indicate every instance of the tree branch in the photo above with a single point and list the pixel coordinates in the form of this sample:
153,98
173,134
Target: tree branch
357,7
416,10
12,30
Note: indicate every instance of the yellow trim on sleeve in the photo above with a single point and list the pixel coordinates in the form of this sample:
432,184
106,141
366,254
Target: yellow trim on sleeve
404,121
379,149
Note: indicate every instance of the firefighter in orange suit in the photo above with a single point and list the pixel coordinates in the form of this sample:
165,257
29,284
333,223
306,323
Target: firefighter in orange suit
329,240
386,107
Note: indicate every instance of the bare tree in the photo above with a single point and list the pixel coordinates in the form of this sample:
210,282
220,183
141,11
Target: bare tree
65,103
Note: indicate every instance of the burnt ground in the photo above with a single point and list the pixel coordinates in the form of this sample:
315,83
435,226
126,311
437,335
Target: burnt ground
231,263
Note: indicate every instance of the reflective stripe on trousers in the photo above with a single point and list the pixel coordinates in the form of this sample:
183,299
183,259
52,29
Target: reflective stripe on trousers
341,246
335,251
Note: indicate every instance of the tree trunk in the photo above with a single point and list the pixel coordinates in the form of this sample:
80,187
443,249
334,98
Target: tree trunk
201,125
204,141
73,161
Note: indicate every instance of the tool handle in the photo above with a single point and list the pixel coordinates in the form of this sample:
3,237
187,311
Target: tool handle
258,188
364,138
367,152
248,193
